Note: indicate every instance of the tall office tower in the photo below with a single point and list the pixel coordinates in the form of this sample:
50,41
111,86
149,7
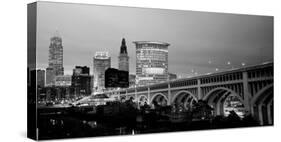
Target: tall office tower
55,67
123,57
102,61
151,62
41,78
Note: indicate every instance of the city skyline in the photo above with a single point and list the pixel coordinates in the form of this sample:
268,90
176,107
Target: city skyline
200,42
126,71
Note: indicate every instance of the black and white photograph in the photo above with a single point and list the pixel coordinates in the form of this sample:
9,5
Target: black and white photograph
100,70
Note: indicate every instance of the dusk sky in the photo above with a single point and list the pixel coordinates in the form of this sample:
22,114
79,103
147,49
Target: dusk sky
200,41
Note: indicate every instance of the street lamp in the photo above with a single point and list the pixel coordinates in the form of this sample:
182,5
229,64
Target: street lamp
229,63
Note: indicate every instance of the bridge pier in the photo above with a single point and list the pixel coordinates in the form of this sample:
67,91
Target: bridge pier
148,95
269,112
246,94
260,115
220,104
169,95
200,97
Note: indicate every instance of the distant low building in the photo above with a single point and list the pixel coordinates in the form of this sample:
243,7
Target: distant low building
57,93
63,80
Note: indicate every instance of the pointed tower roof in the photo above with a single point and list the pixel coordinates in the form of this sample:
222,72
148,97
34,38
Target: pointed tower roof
123,48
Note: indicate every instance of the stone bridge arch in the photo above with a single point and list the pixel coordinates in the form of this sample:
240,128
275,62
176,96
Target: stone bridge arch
184,97
159,98
217,97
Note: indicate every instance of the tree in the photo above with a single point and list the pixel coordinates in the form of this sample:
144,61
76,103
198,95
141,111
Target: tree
202,110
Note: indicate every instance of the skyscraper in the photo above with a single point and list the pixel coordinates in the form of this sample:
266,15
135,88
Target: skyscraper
102,61
123,57
55,67
151,62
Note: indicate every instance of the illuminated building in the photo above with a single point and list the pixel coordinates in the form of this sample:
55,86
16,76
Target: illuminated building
102,61
63,80
55,67
151,62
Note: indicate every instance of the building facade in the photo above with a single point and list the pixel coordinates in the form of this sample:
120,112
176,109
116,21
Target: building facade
115,78
55,66
151,62
81,81
123,57
63,80
81,70
102,61
50,76
40,78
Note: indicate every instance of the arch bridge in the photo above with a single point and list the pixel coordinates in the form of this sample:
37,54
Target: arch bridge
252,85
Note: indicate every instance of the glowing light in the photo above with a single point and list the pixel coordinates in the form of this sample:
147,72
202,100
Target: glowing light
154,70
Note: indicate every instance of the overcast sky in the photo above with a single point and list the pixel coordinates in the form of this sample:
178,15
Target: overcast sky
200,41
